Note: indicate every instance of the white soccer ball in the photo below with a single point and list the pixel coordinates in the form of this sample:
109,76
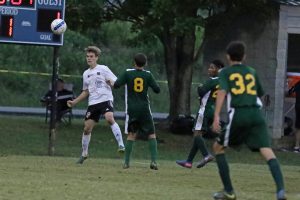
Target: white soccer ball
58,26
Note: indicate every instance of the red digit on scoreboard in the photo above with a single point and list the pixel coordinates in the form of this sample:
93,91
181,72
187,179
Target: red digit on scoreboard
16,2
7,26
11,26
2,2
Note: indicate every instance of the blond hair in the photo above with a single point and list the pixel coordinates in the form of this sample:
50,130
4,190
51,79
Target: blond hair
93,49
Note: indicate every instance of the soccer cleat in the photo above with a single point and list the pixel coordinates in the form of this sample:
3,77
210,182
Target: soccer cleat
205,160
81,159
153,166
121,149
125,166
184,163
223,195
281,195
297,149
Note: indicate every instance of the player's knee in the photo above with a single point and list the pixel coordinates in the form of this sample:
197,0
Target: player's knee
87,130
131,136
267,153
217,148
109,117
152,136
198,133
110,122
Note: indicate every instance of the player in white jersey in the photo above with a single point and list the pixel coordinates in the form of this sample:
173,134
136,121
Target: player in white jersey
100,100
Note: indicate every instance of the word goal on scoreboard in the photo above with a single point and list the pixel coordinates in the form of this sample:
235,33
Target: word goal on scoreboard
29,21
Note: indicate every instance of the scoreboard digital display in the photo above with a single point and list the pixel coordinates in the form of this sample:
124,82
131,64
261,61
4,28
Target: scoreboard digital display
28,21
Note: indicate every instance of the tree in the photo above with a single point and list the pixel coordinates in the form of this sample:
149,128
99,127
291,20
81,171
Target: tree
175,23
82,16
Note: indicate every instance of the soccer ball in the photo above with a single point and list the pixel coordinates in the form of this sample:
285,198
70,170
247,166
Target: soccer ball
58,26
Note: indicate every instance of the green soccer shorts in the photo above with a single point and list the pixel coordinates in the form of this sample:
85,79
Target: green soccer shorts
141,123
246,126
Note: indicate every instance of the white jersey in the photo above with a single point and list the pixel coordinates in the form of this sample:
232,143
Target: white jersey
94,80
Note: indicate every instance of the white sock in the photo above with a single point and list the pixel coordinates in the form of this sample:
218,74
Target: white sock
85,144
117,133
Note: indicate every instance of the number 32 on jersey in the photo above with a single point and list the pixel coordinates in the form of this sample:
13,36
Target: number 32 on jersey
241,86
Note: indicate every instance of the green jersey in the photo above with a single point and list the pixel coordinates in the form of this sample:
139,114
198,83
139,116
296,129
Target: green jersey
137,81
242,86
208,91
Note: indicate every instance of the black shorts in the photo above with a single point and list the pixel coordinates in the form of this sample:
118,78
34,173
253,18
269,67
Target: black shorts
95,111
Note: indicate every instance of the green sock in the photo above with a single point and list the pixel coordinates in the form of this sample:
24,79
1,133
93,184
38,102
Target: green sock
153,149
224,172
193,151
201,145
128,150
197,144
276,173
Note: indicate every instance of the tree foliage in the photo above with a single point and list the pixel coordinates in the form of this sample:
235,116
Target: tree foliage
82,16
175,24
172,26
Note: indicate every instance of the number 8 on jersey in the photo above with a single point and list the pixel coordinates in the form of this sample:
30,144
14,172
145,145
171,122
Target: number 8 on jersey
138,84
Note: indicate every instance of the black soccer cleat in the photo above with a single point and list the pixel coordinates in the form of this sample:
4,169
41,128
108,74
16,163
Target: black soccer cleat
153,166
125,166
281,195
121,149
81,159
204,161
184,163
223,195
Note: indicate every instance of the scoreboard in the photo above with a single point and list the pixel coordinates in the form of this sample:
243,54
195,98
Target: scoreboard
28,21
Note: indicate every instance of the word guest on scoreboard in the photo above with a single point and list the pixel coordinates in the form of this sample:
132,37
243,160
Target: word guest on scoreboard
28,21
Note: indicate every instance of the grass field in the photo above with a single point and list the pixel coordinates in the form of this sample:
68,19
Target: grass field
27,173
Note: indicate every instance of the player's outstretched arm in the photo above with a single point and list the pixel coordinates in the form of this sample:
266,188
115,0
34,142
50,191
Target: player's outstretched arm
110,83
84,94
121,80
110,77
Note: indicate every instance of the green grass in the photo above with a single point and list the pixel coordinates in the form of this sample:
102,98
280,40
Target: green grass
26,172
36,177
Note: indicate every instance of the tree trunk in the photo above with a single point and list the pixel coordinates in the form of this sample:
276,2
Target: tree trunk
179,71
